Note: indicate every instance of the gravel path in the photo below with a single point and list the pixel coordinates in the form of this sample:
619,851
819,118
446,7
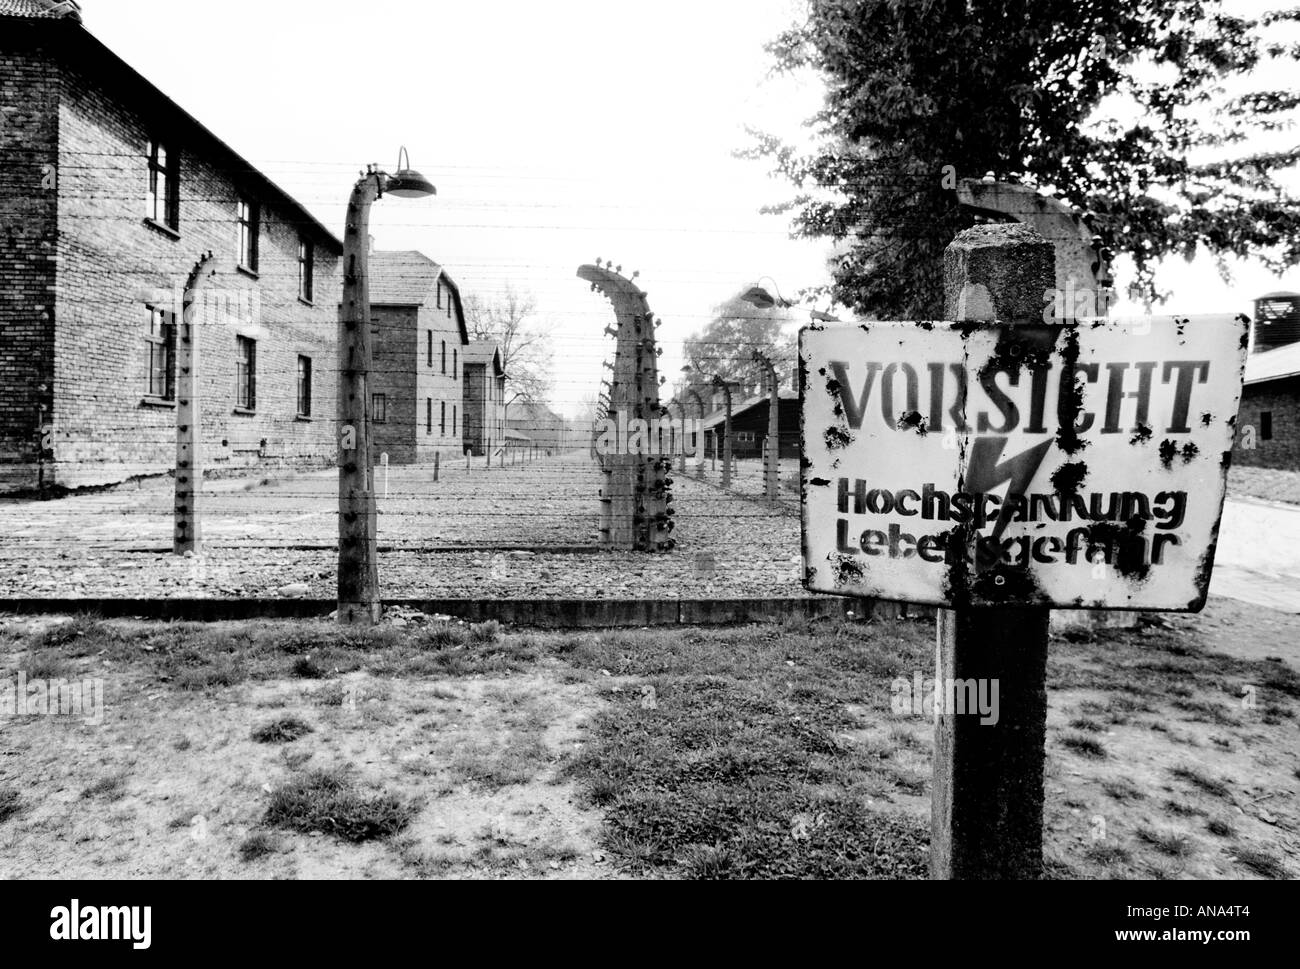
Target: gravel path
473,533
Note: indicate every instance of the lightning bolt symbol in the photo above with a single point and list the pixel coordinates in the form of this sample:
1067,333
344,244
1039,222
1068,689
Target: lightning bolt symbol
986,471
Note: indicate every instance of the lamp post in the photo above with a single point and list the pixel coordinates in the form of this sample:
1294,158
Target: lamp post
772,452
358,578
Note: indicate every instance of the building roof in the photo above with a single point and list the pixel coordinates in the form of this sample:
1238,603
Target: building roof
1275,364
409,278
83,52
40,8
529,413
483,352
402,278
739,407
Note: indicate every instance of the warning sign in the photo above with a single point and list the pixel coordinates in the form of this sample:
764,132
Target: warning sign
1078,465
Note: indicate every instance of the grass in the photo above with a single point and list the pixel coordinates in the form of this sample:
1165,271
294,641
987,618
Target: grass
492,765
1083,744
485,632
1221,828
1175,844
306,668
770,751
1261,862
332,802
1088,725
1122,789
1202,781
10,803
282,730
65,634
46,665
743,770
1182,810
444,637
111,787
257,845
1106,854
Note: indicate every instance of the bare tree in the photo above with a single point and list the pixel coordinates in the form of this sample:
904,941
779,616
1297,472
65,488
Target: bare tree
511,321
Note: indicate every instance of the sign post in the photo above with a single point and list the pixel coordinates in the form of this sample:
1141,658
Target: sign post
1001,466
986,803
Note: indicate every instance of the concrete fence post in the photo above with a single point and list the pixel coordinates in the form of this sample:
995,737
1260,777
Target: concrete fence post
987,808
188,527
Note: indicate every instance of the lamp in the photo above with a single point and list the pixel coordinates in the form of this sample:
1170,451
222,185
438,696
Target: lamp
407,183
759,296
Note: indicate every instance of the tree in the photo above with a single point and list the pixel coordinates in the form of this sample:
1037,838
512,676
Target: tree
509,320
726,345
1118,106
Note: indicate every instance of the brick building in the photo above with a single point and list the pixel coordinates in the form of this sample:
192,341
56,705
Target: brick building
541,426
485,388
109,196
1268,424
419,357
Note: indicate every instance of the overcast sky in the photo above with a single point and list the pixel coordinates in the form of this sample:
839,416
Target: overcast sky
556,132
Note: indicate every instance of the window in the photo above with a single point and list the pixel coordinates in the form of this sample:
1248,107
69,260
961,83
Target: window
440,294
453,364
429,348
1266,425
442,430
428,415
162,202
744,437
453,420
304,386
249,219
245,373
379,408
160,339
305,262
444,356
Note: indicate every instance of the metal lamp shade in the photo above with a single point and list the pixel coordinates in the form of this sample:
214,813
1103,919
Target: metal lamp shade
410,184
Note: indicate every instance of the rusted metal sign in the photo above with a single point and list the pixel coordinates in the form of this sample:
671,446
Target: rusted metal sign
1077,465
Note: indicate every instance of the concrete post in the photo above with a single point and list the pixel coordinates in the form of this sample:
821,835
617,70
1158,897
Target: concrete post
700,446
771,446
358,579
1083,288
635,499
188,526
726,437
987,808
